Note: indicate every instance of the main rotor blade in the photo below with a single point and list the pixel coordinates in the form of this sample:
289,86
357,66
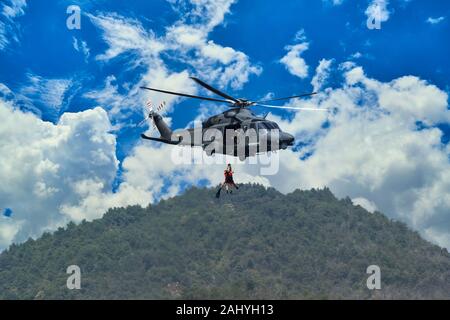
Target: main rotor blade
143,121
216,91
186,95
291,108
287,98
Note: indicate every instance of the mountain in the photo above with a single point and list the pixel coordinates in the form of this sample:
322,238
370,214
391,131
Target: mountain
254,244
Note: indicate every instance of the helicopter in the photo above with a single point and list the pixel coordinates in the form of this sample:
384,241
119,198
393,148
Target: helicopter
237,131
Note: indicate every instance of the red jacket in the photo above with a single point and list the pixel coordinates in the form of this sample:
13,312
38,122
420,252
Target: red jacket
228,173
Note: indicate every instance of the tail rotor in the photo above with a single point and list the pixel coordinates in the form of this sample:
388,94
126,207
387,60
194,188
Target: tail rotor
150,110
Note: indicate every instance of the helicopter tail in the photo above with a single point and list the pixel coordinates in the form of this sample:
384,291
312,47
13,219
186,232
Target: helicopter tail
157,121
163,128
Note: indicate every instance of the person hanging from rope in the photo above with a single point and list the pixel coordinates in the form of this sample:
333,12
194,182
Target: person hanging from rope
229,181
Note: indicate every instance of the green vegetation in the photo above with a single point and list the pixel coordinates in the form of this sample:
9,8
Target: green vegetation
254,244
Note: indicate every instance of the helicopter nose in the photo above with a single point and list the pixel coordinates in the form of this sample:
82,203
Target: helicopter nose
286,139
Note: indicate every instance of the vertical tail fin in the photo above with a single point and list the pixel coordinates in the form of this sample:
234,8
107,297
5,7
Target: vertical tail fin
157,120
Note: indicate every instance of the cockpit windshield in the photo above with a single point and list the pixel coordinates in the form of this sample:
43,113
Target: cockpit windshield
268,126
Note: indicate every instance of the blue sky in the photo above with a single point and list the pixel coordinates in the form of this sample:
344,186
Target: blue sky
76,91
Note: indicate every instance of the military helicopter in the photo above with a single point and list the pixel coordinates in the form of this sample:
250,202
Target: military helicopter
228,132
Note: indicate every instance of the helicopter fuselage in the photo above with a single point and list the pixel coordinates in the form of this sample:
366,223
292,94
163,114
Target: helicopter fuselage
235,132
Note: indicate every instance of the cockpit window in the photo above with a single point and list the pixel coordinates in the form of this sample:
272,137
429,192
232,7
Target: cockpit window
262,125
268,125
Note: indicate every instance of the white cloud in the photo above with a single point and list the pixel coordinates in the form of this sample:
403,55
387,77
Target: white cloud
300,36
124,35
8,230
293,61
334,2
409,99
322,74
432,20
378,9
14,9
10,10
366,204
209,13
82,47
188,38
356,55
50,91
45,94
42,161
109,97
213,62
3,38
186,42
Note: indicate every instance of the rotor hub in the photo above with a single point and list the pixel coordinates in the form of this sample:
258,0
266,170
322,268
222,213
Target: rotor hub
243,103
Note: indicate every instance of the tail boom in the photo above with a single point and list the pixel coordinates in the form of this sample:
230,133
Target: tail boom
166,141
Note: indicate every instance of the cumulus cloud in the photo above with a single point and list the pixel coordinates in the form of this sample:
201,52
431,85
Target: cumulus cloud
42,161
293,61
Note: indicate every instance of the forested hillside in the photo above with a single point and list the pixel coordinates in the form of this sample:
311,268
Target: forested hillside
254,244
